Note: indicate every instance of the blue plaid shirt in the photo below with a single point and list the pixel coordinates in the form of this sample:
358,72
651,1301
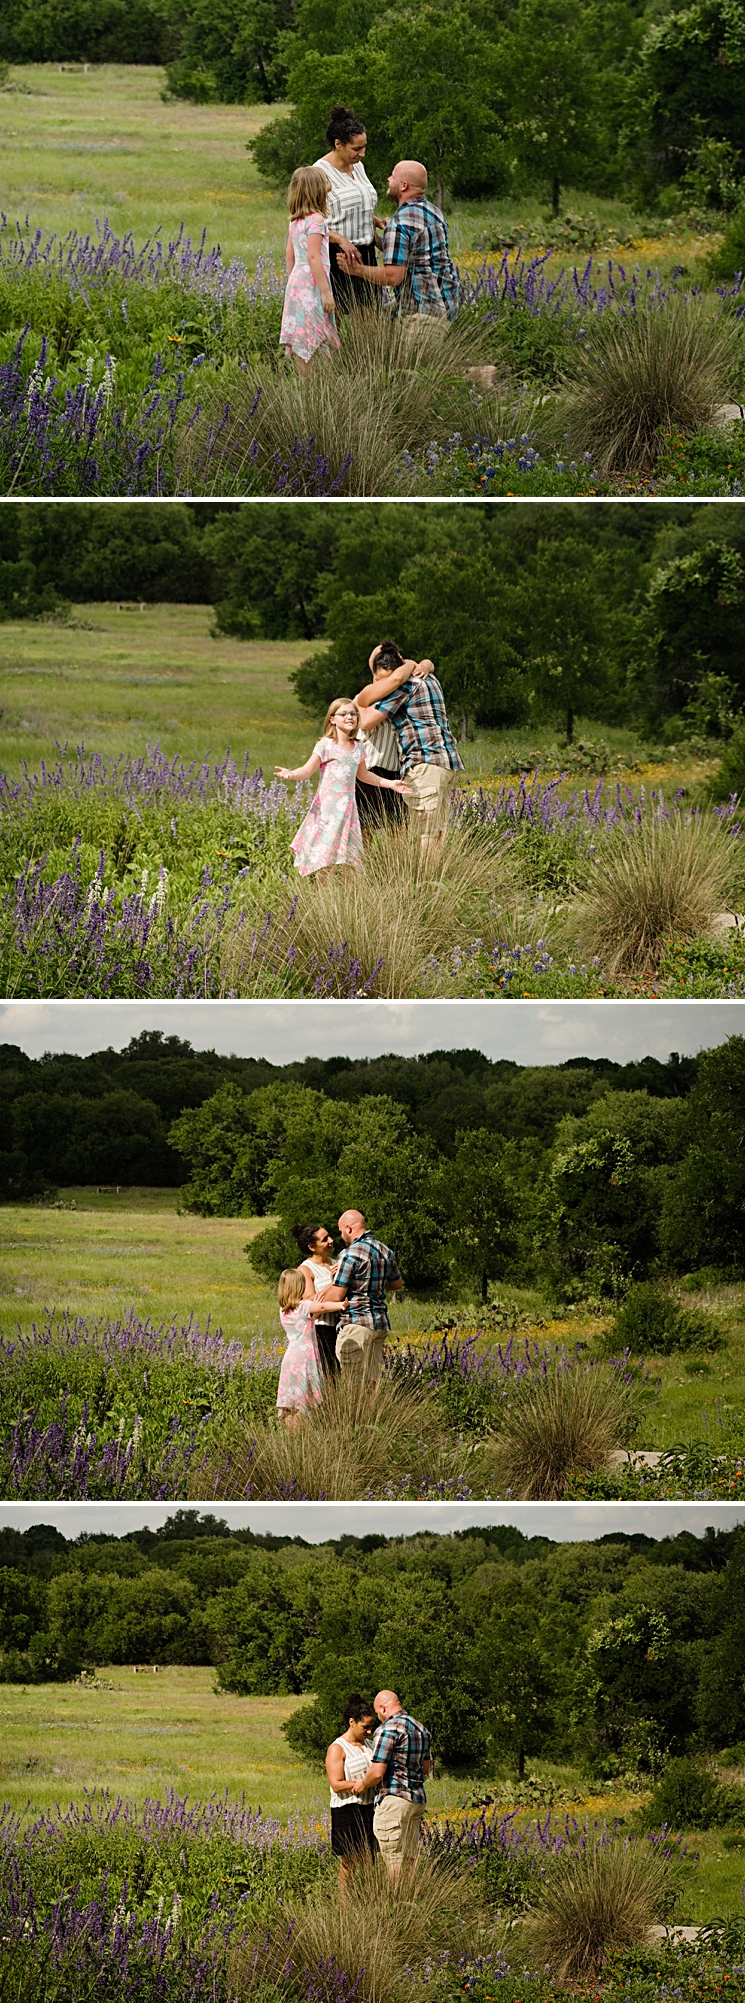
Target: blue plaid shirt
424,734
417,236
403,1745
365,1269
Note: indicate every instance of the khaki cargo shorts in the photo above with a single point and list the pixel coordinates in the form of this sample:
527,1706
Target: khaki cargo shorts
433,790
396,1823
359,1350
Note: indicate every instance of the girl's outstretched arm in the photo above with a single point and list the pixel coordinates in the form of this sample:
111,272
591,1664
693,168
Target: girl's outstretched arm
312,764
391,785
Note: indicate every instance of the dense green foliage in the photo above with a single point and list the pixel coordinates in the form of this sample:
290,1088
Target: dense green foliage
504,1644
630,1185
605,94
107,1117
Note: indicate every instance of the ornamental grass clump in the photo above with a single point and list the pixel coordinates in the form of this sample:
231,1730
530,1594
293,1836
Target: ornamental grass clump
602,1895
657,879
640,374
562,1420
390,388
384,1936
360,1440
411,905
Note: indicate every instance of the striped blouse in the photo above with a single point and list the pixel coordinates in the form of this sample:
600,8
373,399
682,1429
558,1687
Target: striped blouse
351,204
381,748
356,1763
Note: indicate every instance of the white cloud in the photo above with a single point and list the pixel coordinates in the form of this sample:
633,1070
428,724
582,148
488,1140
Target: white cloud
565,1522
528,1032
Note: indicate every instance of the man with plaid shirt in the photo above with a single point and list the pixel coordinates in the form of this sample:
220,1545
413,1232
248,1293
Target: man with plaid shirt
361,1277
401,1758
409,692
416,253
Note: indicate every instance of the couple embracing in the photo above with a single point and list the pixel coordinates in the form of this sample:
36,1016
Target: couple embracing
333,1312
396,725
377,1785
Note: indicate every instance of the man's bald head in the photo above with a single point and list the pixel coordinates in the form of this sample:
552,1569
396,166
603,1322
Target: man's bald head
409,177
351,1225
387,1704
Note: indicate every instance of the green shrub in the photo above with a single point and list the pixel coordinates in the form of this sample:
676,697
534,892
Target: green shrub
278,149
689,1796
271,1251
651,1320
306,1732
729,258
731,775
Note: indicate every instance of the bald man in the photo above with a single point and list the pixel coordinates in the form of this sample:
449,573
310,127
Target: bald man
401,1760
416,254
366,1268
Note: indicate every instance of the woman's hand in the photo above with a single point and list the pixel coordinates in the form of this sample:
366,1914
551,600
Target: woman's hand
348,249
400,786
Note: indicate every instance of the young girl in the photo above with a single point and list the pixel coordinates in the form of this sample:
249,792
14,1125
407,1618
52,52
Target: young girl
308,315
330,832
300,1376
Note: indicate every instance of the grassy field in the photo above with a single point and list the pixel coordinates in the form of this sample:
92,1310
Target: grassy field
134,1251
117,681
147,1733
75,148
120,680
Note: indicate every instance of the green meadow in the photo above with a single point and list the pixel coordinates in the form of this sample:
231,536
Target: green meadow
111,1253
140,1734
118,681
76,149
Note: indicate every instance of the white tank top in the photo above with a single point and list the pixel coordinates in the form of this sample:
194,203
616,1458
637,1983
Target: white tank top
322,1277
357,1759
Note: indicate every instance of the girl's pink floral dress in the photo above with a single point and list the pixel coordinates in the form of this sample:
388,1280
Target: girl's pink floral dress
305,326
331,832
300,1375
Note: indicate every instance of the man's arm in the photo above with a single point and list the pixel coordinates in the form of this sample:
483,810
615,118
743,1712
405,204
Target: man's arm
370,718
375,274
385,684
370,1779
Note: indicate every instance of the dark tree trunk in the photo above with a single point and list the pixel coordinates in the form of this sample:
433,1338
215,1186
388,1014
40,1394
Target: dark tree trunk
521,1764
570,723
440,191
555,186
464,725
484,1285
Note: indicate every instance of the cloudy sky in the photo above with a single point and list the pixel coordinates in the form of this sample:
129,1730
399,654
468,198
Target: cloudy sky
529,1032
569,1522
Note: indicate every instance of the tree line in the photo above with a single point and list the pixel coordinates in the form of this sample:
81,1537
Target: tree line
583,1198
632,95
110,1117
579,1177
531,614
617,1651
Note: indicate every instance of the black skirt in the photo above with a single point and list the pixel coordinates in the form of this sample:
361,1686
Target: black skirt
326,1339
376,804
352,1830
349,292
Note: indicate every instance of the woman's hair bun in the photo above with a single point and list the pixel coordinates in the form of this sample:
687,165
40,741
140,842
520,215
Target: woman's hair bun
303,1234
343,125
